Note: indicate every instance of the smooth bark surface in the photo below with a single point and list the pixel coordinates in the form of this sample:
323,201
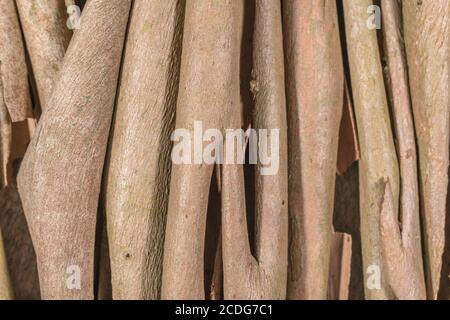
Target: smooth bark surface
315,89
59,180
426,25
47,37
401,245
138,177
264,275
13,69
378,155
208,92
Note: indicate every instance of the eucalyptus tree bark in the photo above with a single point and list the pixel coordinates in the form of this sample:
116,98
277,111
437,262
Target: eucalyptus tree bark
6,290
47,37
263,276
59,180
378,161
340,266
426,26
15,101
137,184
13,69
315,89
5,139
208,92
401,247
5,152
15,107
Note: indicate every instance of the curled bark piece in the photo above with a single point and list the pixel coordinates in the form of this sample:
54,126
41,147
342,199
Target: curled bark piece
208,92
13,72
348,148
265,275
47,37
6,291
403,255
5,138
315,88
340,266
59,180
377,150
426,27
138,176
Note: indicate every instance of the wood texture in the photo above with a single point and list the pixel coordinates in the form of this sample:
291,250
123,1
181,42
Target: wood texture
264,275
426,26
138,178
47,37
401,241
59,180
378,161
6,290
208,92
315,89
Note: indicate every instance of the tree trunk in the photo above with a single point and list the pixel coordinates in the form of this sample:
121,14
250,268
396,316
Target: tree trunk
315,89
401,246
264,275
378,155
208,92
137,181
59,180
426,25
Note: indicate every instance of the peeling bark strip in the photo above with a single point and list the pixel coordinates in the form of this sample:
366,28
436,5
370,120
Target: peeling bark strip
59,180
263,276
209,92
6,290
5,138
47,38
313,59
139,170
13,73
378,155
401,250
428,51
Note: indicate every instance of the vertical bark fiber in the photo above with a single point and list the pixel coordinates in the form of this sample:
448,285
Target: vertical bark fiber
401,246
378,155
138,177
208,92
59,180
315,89
47,37
426,25
265,275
